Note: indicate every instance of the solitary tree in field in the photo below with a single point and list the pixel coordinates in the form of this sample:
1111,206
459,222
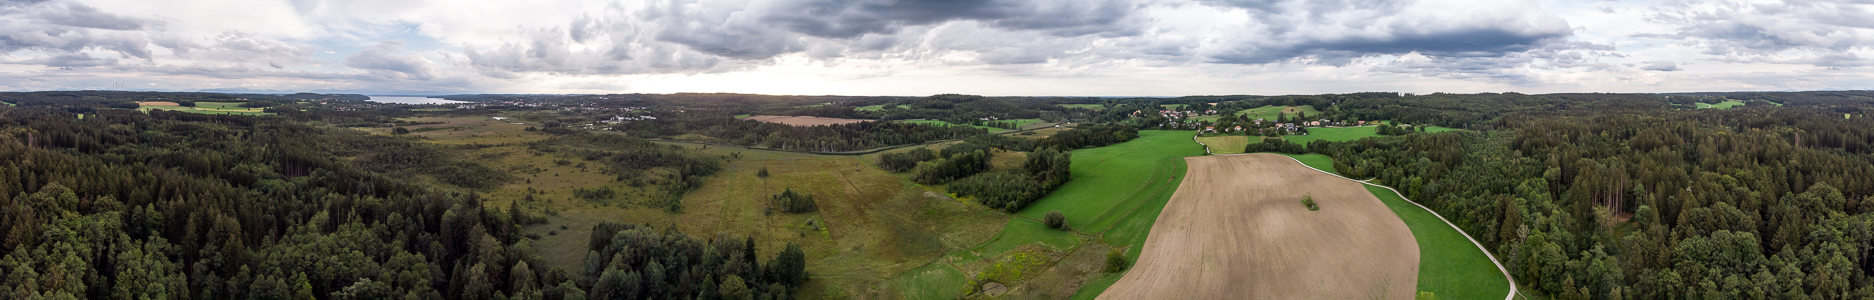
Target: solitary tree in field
1056,220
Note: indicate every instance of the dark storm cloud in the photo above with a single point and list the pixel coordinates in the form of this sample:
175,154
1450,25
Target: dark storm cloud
1468,42
1337,31
765,29
1828,31
67,28
389,60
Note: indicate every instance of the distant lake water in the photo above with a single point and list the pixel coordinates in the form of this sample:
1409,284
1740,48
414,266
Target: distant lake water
413,100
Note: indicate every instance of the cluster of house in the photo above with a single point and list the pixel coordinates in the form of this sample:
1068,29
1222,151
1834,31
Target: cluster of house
622,119
1174,114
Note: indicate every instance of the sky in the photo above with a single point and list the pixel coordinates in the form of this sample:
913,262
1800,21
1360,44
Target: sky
925,47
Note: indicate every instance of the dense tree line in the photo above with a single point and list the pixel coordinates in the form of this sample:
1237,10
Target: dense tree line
638,262
950,168
790,201
1089,136
1275,144
1617,202
822,138
904,161
1013,189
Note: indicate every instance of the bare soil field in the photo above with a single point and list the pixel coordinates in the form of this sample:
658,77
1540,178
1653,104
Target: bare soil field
1236,228
803,121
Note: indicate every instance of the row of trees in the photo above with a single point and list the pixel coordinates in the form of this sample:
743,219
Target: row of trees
639,262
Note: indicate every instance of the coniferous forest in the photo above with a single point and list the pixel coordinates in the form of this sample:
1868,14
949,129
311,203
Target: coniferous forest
120,204
1624,197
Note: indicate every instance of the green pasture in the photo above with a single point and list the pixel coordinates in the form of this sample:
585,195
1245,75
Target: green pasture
213,108
870,108
1086,106
1338,134
1109,182
1269,112
1018,123
1450,266
1226,144
1316,160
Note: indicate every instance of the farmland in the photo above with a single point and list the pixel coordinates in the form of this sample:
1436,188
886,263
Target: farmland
1337,134
1269,112
1020,123
1226,144
802,121
1086,106
1112,201
1235,227
215,108
1450,266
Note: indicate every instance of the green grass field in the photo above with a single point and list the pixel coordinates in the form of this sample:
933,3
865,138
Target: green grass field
1227,144
213,110
1450,266
1318,161
1115,196
1018,123
1110,181
870,108
1269,112
1086,106
1722,105
1338,134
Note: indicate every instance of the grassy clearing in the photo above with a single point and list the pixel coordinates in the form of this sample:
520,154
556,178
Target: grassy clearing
213,108
879,107
1269,112
1450,266
1333,134
1722,105
1318,161
933,281
1109,182
1228,144
1018,122
1086,106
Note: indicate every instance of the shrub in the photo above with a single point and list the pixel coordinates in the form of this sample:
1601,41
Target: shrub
1056,220
904,161
792,202
400,130
1116,261
1308,200
763,173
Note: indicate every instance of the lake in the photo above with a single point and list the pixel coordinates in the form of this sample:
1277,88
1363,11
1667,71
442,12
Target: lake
413,100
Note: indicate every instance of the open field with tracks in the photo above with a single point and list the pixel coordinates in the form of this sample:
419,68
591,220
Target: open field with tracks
1237,227
1225,144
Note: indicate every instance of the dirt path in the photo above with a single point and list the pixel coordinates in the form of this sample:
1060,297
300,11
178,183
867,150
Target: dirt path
1236,229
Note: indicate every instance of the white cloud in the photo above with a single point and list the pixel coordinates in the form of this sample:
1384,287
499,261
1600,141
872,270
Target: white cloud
912,47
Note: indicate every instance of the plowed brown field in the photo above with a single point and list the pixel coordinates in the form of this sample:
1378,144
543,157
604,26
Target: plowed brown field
1236,229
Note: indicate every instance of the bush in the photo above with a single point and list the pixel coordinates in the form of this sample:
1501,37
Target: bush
1116,261
1308,200
793,202
400,130
1056,220
763,173
904,161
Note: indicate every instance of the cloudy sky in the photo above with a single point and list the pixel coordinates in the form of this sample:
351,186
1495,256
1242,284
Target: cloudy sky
922,47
